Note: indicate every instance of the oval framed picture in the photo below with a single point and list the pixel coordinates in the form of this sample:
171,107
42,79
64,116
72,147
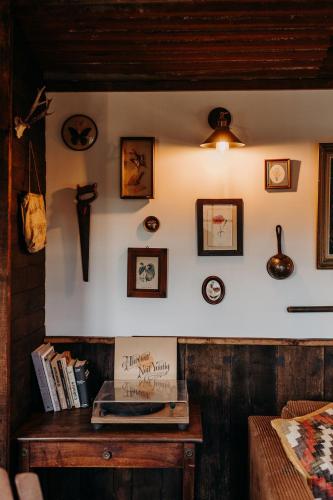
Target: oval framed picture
213,290
79,132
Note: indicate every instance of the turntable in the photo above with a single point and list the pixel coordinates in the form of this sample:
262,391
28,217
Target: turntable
141,402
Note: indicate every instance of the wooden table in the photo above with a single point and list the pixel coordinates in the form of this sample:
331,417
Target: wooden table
67,439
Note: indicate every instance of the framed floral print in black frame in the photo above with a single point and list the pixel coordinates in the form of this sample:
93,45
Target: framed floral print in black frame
325,208
220,226
147,272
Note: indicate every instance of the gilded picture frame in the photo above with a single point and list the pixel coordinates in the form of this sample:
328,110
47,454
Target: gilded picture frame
137,167
325,207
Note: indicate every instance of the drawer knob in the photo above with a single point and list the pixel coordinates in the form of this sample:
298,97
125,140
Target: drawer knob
107,455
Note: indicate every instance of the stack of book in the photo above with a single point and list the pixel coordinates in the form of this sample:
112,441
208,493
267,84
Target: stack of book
62,380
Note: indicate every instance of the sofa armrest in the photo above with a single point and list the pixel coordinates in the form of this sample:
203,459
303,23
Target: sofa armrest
294,409
272,475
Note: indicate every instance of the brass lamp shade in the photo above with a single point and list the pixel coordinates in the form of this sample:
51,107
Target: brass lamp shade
222,134
219,119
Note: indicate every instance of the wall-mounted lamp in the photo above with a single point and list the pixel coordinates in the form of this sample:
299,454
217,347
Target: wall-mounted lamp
222,138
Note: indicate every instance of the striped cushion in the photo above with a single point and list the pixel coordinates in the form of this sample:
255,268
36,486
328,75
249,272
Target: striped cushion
308,443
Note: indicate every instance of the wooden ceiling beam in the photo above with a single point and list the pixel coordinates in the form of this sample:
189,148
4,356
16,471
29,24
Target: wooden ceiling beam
59,82
216,23
96,47
201,9
182,71
138,58
188,37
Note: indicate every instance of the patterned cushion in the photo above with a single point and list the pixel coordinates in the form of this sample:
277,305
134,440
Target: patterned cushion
308,443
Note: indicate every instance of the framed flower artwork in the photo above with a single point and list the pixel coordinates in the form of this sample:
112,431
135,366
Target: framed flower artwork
277,174
220,227
137,167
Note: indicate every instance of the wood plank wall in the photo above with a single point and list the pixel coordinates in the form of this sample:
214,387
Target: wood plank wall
231,382
27,270
5,201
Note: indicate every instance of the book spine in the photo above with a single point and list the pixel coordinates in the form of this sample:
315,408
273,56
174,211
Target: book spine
63,381
68,385
50,383
81,376
60,390
42,382
72,381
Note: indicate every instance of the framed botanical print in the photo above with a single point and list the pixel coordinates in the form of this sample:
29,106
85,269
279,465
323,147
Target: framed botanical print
325,208
277,174
147,272
137,167
220,227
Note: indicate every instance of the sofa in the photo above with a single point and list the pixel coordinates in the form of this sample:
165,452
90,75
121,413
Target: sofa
272,475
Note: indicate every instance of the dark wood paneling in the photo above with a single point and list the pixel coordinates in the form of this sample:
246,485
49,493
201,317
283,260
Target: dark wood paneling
5,221
231,381
155,45
300,374
27,270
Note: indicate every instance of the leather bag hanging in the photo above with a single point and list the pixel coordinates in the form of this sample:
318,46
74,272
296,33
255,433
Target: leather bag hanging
33,213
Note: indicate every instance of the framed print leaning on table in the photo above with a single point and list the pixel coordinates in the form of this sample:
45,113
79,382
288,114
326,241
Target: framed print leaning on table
220,227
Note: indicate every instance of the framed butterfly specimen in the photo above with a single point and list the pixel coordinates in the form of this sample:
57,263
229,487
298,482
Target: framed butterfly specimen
79,132
137,167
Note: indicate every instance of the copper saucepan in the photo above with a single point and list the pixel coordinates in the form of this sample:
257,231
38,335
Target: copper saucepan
280,266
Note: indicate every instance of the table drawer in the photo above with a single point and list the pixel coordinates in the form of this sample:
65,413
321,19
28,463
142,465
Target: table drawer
92,454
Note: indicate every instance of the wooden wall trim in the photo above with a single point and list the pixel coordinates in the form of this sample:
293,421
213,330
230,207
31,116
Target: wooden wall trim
202,340
6,120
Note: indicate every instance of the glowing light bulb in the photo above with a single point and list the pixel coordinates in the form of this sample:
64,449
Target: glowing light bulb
222,146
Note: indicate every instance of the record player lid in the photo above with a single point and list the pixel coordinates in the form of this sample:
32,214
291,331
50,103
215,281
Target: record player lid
157,391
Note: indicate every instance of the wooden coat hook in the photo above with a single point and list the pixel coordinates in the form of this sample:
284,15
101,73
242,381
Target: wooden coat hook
85,195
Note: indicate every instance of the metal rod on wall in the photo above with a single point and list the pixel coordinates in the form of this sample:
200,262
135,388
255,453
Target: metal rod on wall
307,309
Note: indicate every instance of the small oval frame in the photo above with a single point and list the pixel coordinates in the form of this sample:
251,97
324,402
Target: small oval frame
204,290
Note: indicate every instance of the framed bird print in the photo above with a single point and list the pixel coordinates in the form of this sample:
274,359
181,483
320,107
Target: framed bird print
79,132
220,227
213,290
147,272
137,167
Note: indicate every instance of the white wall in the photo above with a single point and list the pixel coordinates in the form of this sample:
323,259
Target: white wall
274,124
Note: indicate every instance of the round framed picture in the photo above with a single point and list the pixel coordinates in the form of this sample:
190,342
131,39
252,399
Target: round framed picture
79,132
151,224
213,290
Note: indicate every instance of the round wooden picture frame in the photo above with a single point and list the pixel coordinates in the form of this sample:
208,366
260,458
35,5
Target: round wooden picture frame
211,293
151,224
79,132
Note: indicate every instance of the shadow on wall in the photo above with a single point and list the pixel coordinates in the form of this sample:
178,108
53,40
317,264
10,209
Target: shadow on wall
61,210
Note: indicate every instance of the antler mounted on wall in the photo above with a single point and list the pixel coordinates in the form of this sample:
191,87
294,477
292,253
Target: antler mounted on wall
21,124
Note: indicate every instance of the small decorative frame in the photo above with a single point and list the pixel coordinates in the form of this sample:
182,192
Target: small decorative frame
277,174
325,208
137,167
220,227
79,132
213,290
147,272
151,224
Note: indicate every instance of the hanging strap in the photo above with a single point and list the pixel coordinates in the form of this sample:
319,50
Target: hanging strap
32,155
